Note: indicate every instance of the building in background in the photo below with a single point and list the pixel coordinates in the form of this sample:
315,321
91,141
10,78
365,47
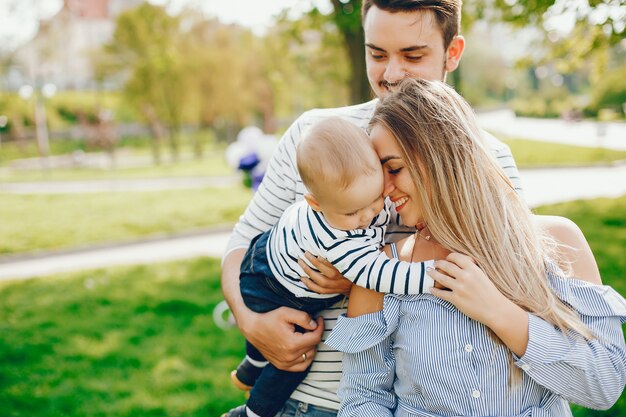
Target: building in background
60,51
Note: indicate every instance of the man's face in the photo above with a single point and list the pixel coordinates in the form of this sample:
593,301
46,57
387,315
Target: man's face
404,44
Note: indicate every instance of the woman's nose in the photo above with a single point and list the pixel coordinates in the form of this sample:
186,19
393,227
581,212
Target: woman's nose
389,186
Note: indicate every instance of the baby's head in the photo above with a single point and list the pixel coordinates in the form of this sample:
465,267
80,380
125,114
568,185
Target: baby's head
342,173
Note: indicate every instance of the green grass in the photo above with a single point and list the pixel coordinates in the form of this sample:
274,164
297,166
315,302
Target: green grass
530,153
50,222
139,341
136,341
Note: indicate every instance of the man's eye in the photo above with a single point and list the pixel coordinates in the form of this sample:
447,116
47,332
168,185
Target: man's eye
377,56
414,58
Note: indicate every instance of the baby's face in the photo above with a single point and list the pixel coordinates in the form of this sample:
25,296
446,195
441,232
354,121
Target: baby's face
356,206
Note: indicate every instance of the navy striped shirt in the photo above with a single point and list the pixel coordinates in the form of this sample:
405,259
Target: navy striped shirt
355,253
421,356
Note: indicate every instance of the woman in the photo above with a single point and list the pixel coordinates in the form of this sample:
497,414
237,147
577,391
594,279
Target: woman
510,335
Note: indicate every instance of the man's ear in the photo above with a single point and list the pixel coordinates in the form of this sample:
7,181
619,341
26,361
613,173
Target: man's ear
312,201
454,53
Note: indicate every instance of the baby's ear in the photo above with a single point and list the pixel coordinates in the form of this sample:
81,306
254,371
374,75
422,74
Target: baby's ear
312,201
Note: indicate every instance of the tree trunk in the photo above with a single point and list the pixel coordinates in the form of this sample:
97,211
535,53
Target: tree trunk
158,132
347,19
359,88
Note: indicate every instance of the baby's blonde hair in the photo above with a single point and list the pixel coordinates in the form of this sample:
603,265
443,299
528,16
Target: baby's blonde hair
469,204
332,154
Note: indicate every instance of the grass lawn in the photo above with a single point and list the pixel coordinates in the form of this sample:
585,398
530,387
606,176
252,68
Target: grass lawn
47,222
531,153
140,341
133,341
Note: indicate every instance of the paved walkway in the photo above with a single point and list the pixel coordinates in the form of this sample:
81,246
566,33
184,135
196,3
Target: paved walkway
611,135
542,186
126,185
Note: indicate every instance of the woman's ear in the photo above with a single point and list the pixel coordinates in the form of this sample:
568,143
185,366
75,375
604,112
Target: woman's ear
312,201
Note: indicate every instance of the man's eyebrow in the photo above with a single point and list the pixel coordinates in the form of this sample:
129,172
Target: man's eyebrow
386,159
412,48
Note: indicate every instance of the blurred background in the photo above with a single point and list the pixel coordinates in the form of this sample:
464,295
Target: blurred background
133,134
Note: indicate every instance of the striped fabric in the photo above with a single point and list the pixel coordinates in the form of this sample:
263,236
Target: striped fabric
280,188
439,362
355,253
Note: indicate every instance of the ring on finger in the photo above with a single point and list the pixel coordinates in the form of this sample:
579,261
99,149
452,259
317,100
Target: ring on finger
304,357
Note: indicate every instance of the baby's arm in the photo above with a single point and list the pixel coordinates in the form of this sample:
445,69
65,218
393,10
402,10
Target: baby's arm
361,261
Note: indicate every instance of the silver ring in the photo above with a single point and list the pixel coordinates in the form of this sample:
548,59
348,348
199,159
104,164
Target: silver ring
304,357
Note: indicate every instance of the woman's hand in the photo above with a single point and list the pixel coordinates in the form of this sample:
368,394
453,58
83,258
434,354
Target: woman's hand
328,281
473,293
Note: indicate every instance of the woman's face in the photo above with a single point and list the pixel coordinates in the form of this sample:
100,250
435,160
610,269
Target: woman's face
399,185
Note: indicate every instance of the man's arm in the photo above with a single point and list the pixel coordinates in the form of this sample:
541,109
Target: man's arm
273,333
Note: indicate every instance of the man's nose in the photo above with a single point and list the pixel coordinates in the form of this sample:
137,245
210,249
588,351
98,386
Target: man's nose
395,71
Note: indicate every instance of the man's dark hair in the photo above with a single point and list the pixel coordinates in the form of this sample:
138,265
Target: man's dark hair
447,13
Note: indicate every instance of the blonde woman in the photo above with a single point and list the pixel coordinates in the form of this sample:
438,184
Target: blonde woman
512,334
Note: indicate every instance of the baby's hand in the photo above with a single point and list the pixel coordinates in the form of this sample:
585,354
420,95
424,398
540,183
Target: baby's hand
328,281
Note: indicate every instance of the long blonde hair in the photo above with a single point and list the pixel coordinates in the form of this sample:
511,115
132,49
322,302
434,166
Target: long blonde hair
469,203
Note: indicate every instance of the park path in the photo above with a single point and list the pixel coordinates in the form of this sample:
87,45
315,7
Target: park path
541,186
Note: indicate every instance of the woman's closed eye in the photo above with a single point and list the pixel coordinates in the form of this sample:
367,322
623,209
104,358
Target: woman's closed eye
394,171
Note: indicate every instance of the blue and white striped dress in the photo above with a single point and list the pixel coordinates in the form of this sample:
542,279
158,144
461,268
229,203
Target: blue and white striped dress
422,357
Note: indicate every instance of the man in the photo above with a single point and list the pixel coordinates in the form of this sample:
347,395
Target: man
403,38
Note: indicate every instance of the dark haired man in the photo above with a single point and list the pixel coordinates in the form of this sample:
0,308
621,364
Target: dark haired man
403,38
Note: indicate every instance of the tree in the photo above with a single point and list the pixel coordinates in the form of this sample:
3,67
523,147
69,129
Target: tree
599,26
146,49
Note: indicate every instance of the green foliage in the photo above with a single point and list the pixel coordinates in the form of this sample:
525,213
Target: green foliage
610,92
69,220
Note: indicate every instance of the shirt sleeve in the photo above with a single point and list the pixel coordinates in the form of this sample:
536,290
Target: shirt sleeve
276,192
369,267
504,157
357,255
366,387
591,373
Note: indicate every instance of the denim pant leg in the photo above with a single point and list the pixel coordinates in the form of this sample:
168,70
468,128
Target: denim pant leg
262,293
294,408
